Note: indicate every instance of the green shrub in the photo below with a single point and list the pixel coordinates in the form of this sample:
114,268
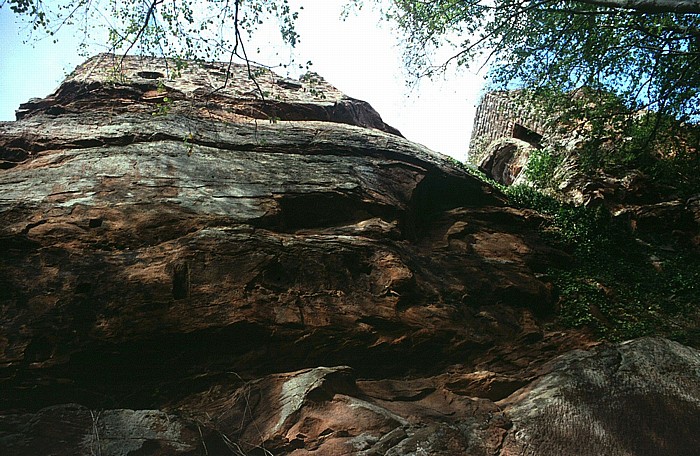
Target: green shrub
581,228
616,285
541,168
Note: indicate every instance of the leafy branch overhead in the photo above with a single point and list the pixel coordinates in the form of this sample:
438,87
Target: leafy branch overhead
645,51
190,29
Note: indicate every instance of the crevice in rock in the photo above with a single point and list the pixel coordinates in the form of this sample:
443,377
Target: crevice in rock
95,222
150,74
383,324
181,280
12,155
29,226
76,97
146,373
133,374
8,164
349,112
439,192
15,151
19,244
315,210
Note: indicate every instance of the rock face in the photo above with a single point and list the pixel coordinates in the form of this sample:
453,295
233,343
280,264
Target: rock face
190,269
505,160
640,398
141,84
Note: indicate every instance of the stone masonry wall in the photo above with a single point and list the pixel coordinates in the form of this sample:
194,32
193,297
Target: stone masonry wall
497,117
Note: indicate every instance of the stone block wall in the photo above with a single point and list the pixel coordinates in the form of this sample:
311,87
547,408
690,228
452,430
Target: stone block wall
501,115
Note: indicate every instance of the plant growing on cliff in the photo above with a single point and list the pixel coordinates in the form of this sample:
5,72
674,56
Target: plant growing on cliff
615,284
612,140
163,108
541,168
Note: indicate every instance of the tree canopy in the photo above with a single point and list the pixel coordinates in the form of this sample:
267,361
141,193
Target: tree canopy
646,52
189,29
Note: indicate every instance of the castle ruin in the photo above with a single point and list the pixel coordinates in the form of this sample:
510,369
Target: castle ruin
502,115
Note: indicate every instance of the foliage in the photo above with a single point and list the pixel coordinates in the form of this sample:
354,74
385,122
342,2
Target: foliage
163,108
620,287
191,29
647,53
542,166
595,133
617,284
586,230
648,141
681,172
623,295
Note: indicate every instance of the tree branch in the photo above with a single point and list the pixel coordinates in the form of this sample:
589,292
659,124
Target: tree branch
650,6
147,19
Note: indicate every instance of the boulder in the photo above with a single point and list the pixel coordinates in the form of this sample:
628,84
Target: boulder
640,397
72,430
505,160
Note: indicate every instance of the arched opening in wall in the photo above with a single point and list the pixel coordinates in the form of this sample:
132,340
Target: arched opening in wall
525,134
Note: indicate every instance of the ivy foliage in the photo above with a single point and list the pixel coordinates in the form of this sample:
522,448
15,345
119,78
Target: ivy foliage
616,284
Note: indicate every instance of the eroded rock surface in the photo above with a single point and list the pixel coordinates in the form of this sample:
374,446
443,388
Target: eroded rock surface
207,276
637,398
505,160
110,83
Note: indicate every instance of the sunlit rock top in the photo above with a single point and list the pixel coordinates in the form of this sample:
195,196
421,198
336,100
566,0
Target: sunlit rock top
219,89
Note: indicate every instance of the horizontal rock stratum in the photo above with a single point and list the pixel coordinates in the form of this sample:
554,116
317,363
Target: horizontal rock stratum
195,263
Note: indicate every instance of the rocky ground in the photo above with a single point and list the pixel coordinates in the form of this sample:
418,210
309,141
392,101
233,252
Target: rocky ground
190,268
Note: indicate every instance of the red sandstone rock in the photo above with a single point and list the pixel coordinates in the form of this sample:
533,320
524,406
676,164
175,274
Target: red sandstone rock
202,281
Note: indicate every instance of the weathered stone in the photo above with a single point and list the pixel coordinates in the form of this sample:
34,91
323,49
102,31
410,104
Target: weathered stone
504,114
640,397
167,238
73,430
188,274
505,160
485,384
661,217
108,82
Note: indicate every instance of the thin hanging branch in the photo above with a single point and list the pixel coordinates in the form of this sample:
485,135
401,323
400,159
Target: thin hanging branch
149,14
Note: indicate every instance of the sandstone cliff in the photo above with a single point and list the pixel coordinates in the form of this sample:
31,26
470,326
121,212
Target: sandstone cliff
198,268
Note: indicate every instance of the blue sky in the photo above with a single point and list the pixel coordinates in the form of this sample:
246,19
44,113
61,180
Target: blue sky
361,56
28,70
